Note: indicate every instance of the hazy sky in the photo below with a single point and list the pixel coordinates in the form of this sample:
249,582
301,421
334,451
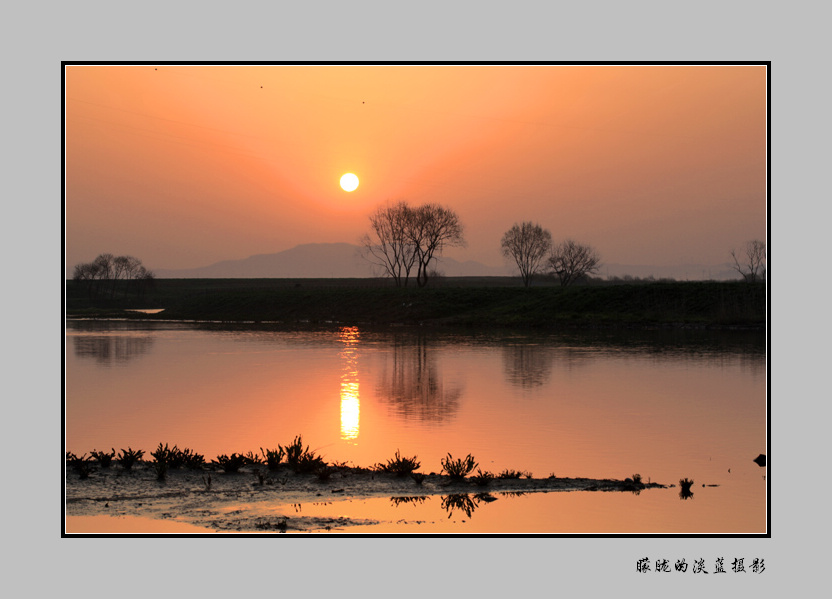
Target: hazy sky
183,166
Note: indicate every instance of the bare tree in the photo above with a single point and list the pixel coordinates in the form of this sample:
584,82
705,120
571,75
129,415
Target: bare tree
402,237
528,245
388,246
106,271
751,261
571,261
432,229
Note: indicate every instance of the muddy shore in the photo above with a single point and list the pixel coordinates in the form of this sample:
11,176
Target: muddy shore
256,499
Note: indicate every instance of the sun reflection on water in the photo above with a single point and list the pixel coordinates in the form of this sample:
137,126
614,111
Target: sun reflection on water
350,404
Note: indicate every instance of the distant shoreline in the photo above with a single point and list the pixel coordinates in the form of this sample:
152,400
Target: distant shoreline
466,302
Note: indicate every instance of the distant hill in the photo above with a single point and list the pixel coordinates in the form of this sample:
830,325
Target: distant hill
315,260
343,261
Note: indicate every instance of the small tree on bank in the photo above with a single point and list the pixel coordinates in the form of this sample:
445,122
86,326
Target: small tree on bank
750,262
107,274
527,244
570,261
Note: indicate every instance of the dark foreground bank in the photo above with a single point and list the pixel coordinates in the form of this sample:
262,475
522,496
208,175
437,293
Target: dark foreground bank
457,303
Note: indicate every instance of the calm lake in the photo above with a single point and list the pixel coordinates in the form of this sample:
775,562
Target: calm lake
663,404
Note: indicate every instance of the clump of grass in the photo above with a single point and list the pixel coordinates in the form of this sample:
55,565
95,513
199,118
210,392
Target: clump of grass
164,458
637,479
273,457
417,477
459,468
232,463
82,465
399,466
300,459
127,458
482,478
190,459
552,476
510,473
103,458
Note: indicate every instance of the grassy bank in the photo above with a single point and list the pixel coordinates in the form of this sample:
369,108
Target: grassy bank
472,302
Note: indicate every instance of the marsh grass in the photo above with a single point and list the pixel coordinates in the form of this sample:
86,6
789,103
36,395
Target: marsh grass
104,459
300,458
231,464
510,473
399,466
273,457
482,478
459,468
82,465
129,457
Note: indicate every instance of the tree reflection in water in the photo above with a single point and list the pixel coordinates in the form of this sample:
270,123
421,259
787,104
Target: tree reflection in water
526,366
412,384
108,350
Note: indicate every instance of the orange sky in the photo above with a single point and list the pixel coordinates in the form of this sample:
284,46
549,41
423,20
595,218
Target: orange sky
183,166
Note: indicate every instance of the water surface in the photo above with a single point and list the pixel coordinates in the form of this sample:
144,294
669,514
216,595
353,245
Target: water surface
665,405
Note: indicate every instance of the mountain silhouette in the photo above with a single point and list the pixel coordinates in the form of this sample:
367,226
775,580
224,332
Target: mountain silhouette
316,260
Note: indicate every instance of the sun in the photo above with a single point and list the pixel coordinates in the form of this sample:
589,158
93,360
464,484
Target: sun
349,182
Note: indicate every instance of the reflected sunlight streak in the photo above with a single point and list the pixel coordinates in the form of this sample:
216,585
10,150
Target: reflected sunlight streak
350,404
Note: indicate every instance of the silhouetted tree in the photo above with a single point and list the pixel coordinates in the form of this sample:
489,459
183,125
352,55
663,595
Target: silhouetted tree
432,229
751,262
528,245
571,261
402,237
388,246
104,274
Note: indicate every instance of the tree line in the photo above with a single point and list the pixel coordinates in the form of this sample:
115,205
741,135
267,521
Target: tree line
109,275
403,241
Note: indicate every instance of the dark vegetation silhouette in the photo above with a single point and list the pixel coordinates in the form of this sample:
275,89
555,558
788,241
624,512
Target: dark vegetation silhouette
750,261
108,277
571,261
403,238
527,244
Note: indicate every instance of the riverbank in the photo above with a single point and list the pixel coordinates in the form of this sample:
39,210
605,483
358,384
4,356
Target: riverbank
258,500
456,303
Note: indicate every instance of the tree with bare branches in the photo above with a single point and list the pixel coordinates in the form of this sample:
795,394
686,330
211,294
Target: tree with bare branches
432,229
402,237
527,243
750,262
388,245
571,261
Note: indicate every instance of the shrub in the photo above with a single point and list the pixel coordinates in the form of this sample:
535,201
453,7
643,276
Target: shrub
637,479
163,459
273,457
104,459
81,465
399,466
510,474
300,459
190,459
482,478
460,468
232,463
128,457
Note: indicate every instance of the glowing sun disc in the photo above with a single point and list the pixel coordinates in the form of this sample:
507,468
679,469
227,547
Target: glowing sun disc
349,182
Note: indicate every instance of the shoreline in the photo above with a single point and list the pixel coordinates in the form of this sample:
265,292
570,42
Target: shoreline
260,500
